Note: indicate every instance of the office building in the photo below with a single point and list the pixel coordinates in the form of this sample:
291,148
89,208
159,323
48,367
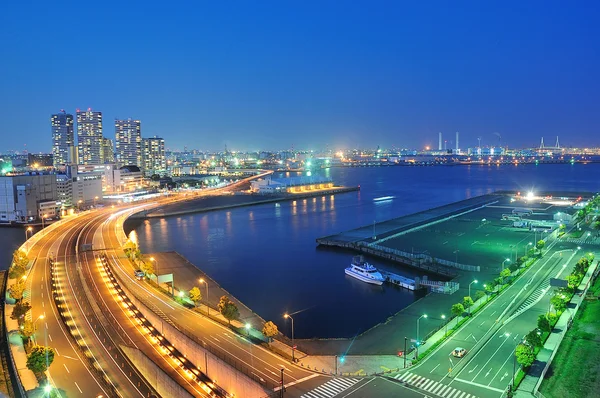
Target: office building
108,151
153,156
128,142
28,197
63,138
79,190
89,137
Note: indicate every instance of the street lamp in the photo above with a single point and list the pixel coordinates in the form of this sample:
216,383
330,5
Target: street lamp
43,218
418,342
286,316
29,229
207,306
247,326
79,202
446,330
507,260
95,199
475,281
514,362
156,270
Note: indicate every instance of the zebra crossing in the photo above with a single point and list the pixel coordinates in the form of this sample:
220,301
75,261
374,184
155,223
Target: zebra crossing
593,240
330,389
432,387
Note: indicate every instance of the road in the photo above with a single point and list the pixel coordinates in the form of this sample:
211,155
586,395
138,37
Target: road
493,333
261,363
68,372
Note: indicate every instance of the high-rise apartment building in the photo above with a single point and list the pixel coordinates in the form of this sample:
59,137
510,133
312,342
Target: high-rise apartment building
108,151
89,137
153,155
128,142
63,138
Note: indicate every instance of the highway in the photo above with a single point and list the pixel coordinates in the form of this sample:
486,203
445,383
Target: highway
263,364
68,371
491,336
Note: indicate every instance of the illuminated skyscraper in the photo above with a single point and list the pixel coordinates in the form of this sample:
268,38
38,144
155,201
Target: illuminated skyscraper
108,151
89,137
153,154
63,138
128,140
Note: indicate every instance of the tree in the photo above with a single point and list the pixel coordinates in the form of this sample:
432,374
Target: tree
525,355
597,225
27,330
534,338
479,294
20,258
457,310
16,290
558,303
147,267
504,274
195,295
39,359
543,323
467,302
540,245
531,252
228,309
573,281
19,311
489,286
16,271
270,330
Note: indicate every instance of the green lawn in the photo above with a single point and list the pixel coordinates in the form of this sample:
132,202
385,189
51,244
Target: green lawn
575,370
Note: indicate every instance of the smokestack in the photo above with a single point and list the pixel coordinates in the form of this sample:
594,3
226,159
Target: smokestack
440,142
457,141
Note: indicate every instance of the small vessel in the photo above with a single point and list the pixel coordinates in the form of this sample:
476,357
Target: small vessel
364,271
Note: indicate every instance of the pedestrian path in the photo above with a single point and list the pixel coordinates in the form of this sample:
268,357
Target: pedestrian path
432,387
330,389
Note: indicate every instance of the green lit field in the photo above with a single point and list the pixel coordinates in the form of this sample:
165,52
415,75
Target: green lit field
479,237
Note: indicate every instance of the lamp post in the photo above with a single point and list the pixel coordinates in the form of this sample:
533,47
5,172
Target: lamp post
405,354
79,202
43,218
419,342
446,326
475,281
248,326
286,315
27,230
95,199
506,260
207,306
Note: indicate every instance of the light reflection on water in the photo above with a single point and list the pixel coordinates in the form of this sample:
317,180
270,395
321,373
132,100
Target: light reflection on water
267,256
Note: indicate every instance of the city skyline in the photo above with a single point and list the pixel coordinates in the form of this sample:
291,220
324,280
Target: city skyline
279,76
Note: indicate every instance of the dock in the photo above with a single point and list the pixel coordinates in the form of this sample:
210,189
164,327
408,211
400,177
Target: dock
369,239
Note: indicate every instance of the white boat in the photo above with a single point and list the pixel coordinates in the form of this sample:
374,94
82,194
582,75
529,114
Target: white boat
364,271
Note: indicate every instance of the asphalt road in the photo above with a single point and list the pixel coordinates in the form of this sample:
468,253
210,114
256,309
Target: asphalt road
493,333
262,363
68,372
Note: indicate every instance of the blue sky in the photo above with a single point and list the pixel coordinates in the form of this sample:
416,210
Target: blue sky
277,74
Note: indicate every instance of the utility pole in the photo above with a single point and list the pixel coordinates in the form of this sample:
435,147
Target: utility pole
405,352
282,387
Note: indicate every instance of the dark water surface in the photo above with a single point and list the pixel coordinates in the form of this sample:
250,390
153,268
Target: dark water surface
267,256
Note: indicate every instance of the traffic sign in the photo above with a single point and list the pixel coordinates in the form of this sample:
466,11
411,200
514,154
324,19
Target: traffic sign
400,353
294,347
413,340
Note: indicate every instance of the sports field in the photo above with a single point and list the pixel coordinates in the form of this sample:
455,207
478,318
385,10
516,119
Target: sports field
479,237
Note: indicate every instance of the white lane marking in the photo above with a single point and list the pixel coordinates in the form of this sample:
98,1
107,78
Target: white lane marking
50,337
77,385
359,387
65,365
293,383
479,385
436,366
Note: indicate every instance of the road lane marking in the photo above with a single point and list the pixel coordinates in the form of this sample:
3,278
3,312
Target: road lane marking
293,383
50,337
472,370
488,372
479,385
65,365
490,358
77,385
358,388
436,366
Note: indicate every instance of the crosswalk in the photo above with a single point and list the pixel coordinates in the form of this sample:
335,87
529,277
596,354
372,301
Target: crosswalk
593,240
330,389
431,386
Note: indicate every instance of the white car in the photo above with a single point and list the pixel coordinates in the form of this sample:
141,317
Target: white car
459,352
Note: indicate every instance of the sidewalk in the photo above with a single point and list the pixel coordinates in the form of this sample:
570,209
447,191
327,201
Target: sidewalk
534,377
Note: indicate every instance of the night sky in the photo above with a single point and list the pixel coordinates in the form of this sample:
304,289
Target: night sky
308,74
